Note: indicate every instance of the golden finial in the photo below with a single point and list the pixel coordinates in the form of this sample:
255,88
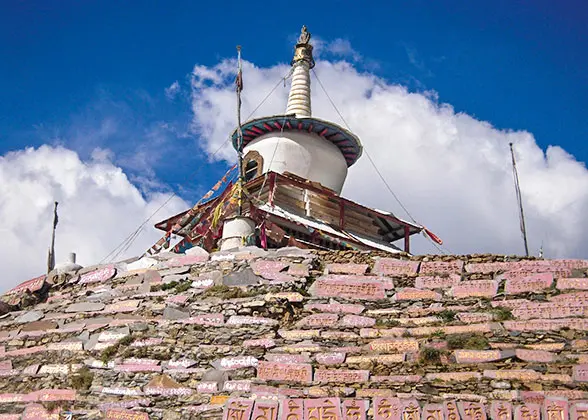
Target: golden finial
303,50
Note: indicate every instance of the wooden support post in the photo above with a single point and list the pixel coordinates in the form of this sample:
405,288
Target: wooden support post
272,189
341,214
406,239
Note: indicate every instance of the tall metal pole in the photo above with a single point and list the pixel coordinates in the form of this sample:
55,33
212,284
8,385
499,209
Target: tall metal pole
239,88
519,199
51,256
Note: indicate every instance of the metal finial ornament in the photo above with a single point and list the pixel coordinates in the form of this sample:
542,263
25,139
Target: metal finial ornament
303,50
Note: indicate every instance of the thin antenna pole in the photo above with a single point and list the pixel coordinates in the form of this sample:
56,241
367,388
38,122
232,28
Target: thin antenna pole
519,199
51,256
239,88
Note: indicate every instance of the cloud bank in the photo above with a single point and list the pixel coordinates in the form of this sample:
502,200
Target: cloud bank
452,171
98,208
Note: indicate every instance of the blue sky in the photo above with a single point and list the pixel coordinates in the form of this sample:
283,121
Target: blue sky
93,75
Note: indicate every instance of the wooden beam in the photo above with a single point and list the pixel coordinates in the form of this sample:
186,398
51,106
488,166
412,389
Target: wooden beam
406,239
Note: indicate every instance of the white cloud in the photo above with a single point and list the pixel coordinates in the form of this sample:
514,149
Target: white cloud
172,90
98,208
451,170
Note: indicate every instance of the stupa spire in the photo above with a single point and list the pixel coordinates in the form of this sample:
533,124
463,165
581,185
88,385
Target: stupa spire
299,97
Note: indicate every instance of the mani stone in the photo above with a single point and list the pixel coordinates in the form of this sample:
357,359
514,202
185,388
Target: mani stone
241,278
85,307
170,313
31,316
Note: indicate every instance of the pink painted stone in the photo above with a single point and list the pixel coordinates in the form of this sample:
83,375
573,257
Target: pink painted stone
392,266
547,324
186,260
177,299
318,320
580,373
527,411
261,342
401,379
368,289
250,320
441,267
207,387
239,386
474,317
335,308
410,408
152,277
400,345
6,365
387,408
38,412
31,370
123,306
355,321
535,356
137,367
386,281
436,282
298,270
533,283
10,417
348,268
410,293
340,375
355,409
237,362
475,288
26,351
433,412
476,356
101,275
207,319
31,285
501,410
261,267
472,410
126,415
265,410
148,342
571,283
579,411
292,409
238,409
555,409
287,358
270,371
322,408
450,410
124,404
52,395
334,358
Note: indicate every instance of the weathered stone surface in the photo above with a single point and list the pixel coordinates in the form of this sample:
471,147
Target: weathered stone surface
338,268
241,278
572,283
477,356
85,307
318,320
441,267
404,345
238,320
580,373
535,356
30,316
287,358
475,288
125,414
335,308
392,266
533,283
164,385
341,376
437,282
174,314
410,293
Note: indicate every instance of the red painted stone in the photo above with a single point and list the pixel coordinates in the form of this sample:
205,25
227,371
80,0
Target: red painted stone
433,412
533,283
555,409
101,275
335,308
528,412
284,372
437,282
292,409
265,410
580,373
126,415
368,290
475,288
31,285
322,408
501,410
387,408
392,267
355,409
342,376
472,410
238,409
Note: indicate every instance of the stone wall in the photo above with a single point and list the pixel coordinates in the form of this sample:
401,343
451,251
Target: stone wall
294,334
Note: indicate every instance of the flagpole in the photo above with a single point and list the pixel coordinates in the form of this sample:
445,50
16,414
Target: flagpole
51,256
519,199
239,88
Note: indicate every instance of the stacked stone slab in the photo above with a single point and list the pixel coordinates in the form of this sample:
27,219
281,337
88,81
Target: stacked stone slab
295,334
